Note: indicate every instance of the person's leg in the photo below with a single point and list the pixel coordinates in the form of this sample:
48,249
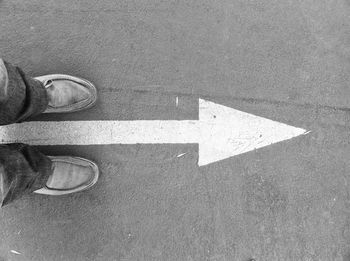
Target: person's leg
21,97
23,169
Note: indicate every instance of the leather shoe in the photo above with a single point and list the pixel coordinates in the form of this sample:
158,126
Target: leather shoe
68,93
70,174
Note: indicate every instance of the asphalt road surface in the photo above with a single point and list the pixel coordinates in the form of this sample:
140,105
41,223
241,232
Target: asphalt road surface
284,60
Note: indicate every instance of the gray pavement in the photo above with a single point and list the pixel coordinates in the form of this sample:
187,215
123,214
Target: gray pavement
284,60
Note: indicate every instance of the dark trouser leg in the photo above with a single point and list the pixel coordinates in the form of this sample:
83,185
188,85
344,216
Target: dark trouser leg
23,169
21,97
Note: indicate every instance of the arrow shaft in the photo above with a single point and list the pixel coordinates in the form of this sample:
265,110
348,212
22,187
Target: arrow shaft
101,132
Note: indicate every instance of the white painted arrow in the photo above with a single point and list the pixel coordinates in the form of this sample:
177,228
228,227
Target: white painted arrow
221,132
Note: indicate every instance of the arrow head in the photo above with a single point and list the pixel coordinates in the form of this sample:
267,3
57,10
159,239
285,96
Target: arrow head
226,132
